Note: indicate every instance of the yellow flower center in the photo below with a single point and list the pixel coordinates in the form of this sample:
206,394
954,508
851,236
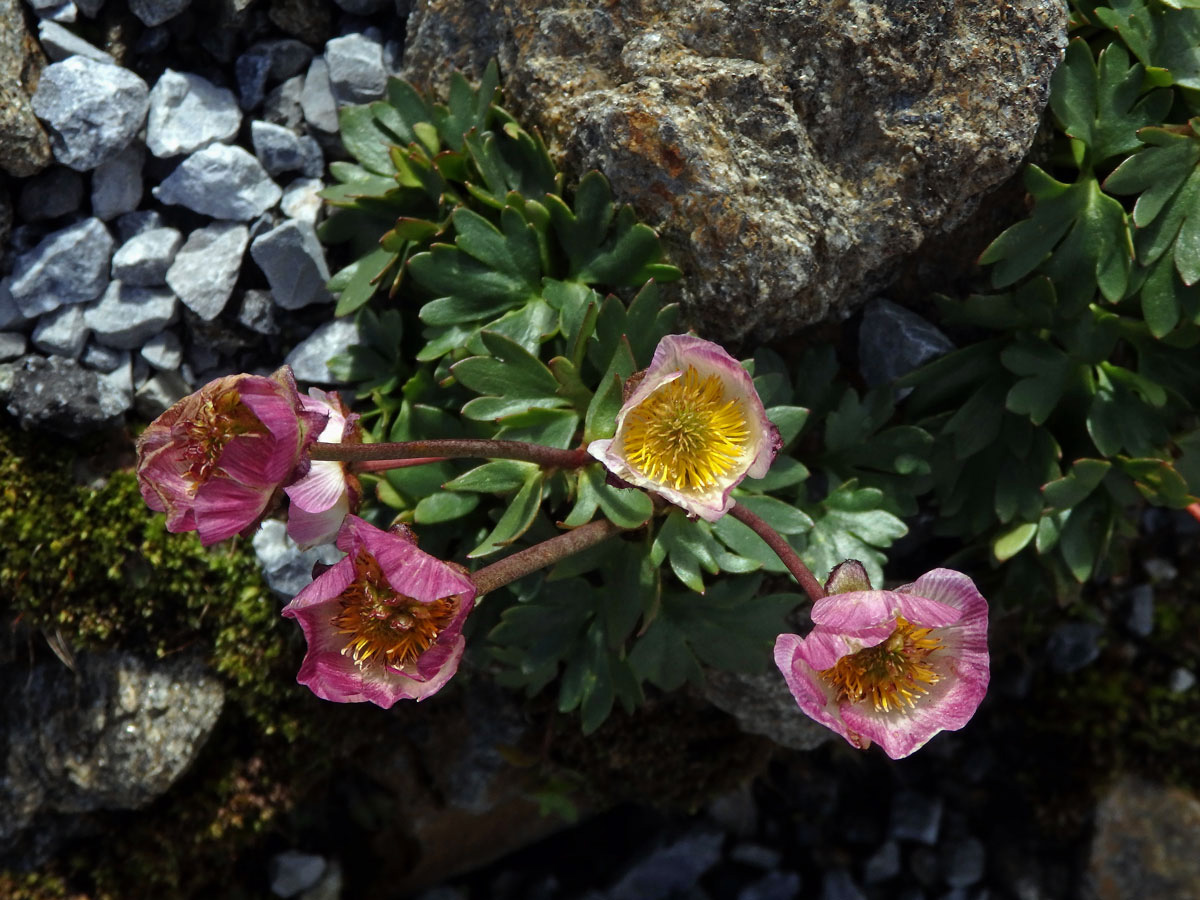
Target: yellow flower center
891,675
383,625
214,424
687,434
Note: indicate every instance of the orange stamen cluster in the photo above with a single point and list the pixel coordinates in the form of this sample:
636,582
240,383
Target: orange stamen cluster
383,625
687,434
891,675
215,422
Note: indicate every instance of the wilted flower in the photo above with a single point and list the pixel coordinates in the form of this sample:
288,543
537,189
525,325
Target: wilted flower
214,461
328,493
384,623
894,667
691,429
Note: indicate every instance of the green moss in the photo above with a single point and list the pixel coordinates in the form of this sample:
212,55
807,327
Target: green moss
92,567
96,566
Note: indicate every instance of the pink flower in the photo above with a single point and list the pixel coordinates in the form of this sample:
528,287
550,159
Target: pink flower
691,429
384,623
894,667
328,493
215,460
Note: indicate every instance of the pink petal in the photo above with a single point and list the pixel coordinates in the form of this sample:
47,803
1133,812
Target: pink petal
321,488
308,529
814,697
855,610
224,507
821,648
948,706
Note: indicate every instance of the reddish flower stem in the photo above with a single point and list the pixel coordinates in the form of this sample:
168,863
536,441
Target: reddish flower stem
547,457
539,556
782,549
382,465
1194,509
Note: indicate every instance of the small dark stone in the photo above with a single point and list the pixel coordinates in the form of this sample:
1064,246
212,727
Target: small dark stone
1073,645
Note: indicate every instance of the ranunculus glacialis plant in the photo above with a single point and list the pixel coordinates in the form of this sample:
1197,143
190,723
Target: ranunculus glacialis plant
384,623
691,428
215,461
893,667
328,493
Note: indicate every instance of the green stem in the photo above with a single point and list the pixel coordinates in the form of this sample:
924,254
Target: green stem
782,549
547,457
539,556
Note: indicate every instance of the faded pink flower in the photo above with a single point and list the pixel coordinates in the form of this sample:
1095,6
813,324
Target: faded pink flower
893,667
328,493
384,623
691,429
214,461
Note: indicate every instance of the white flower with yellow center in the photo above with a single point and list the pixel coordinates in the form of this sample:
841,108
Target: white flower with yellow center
691,429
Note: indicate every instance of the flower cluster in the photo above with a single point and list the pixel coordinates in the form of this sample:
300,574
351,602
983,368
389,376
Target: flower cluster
385,622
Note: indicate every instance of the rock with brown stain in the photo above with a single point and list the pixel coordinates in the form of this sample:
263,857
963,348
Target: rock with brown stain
24,147
792,155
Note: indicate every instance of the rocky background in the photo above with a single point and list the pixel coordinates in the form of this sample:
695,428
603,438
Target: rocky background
157,218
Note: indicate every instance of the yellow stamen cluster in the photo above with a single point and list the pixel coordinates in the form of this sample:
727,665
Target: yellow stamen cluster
217,420
383,625
686,434
891,675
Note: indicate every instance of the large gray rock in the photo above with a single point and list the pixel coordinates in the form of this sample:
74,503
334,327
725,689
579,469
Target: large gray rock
1145,843
206,267
292,259
24,147
62,396
127,316
91,109
114,734
188,112
67,266
791,154
223,182
117,184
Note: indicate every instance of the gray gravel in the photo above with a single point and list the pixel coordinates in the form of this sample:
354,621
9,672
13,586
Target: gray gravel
91,110
187,113
59,43
206,267
117,183
68,266
223,182
356,70
127,316
292,258
143,260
